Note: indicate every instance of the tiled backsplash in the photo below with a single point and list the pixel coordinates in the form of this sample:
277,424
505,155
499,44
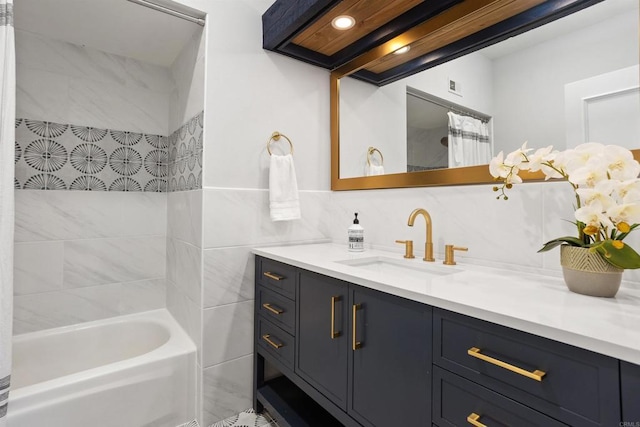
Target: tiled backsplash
55,156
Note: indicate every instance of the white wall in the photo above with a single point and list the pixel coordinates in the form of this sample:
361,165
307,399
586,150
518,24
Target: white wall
530,83
377,116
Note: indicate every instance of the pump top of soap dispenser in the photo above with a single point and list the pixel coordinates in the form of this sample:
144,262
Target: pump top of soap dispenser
356,221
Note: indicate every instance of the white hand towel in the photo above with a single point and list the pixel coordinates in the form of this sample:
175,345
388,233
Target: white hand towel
283,189
373,170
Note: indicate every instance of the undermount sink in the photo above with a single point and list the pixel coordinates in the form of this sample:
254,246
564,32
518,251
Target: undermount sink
401,267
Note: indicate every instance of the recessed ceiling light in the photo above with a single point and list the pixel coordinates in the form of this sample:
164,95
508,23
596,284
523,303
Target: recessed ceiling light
343,22
402,50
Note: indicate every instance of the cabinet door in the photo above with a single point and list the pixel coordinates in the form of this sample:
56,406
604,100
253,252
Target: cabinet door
322,335
630,377
390,379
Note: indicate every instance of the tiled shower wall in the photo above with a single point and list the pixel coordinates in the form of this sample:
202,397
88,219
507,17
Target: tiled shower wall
87,255
84,255
184,208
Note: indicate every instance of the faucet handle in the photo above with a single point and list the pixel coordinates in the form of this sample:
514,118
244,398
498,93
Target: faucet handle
449,254
408,248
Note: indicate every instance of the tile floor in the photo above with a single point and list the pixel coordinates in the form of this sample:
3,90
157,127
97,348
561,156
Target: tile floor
247,418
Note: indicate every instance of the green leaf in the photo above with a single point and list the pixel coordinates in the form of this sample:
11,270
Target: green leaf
569,240
624,257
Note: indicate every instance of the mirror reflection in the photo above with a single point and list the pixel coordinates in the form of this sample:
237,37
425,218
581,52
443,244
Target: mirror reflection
567,82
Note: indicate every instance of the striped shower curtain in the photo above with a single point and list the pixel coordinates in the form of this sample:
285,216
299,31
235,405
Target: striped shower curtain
7,144
469,142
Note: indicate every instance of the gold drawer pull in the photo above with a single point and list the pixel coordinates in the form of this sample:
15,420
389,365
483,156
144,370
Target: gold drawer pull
535,375
473,420
275,345
273,276
355,344
272,309
334,333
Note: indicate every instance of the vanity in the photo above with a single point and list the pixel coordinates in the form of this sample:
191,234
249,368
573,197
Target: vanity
372,339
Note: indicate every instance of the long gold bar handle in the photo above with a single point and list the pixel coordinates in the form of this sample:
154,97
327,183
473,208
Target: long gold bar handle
535,375
355,344
334,333
473,420
272,309
275,345
273,276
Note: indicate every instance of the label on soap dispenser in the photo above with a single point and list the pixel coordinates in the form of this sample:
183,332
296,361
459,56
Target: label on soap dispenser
356,236
356,239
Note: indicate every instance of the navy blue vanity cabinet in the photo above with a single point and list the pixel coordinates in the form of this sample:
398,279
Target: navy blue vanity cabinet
390,360
322,350
630,385
572,385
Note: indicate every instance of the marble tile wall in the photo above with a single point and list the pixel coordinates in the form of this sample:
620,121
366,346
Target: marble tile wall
66,83
497,232
184,270
82,256
236,221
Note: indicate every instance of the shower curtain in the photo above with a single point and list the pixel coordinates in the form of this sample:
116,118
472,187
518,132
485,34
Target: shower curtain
469,142
7,144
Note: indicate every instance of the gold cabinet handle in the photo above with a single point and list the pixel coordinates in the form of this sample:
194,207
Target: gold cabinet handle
535,375
275,345
273,276
473,420
272,309
355,344
334,334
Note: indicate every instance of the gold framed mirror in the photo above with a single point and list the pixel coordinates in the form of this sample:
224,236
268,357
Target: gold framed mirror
424,35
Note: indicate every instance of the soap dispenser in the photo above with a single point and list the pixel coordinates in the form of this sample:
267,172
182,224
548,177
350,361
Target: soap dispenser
356,236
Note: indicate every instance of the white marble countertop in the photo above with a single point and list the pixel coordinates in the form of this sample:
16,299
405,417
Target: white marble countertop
534,303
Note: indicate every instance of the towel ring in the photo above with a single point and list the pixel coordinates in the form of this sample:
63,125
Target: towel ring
370,152
275,137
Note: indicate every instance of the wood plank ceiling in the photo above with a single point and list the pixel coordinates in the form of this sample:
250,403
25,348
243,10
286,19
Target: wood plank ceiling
453,24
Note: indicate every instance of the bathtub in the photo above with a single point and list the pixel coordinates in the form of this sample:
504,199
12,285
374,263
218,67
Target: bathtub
129,371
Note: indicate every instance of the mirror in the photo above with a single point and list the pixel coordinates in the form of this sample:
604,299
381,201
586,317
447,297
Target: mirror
569,81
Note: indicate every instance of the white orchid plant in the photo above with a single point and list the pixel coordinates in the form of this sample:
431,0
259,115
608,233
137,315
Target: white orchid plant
607,193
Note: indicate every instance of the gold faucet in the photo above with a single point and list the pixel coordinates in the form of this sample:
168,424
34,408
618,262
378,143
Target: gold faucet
428,245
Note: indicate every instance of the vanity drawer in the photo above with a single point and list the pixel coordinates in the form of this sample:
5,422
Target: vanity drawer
575,386
278,277
456,400
278,309
276,342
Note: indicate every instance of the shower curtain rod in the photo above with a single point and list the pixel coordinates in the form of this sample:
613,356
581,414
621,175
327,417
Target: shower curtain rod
448,105
169,11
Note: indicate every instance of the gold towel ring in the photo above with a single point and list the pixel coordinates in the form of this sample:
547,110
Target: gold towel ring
370,152
275,137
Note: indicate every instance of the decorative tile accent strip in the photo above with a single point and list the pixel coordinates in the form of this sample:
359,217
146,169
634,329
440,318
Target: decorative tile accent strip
55,156
4,394
193,423
185,156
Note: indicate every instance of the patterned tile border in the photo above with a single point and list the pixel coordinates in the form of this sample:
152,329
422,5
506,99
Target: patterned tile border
55,156
185,156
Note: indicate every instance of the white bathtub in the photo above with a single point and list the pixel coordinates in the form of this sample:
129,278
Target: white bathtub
129,371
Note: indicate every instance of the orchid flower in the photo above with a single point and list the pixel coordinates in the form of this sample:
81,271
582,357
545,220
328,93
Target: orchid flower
606,187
